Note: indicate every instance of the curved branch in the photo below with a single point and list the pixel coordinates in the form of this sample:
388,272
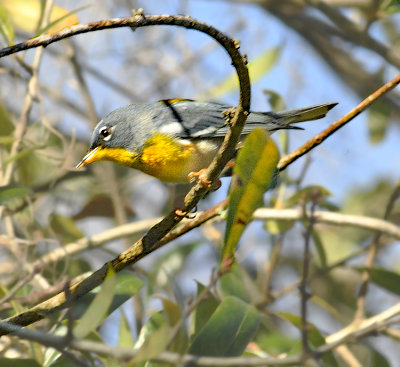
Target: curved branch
133,22
153,239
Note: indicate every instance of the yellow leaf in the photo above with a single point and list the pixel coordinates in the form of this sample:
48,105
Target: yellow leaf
6,28
26,15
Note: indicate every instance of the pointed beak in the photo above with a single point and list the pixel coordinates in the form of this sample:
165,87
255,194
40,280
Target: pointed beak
91,156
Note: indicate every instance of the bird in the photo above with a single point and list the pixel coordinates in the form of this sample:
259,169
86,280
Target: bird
173,139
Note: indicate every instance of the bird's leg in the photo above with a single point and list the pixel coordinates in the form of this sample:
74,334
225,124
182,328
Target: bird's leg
201,177
188,215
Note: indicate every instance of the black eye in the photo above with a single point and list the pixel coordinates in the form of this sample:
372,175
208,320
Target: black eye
105,133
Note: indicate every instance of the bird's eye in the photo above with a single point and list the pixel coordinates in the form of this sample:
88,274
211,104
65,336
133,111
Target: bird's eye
105,133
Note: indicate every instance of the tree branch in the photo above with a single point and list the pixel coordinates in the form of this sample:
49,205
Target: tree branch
359,221
306,350
333,341
372,253
319,138
85,243
151,241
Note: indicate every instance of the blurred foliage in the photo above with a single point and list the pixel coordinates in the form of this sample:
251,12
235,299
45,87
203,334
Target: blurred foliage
164,302
27,14
261,65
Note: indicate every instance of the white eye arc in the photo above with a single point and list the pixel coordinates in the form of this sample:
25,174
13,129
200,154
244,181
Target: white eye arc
105,133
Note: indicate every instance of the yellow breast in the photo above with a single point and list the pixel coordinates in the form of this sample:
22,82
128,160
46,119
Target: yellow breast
166,158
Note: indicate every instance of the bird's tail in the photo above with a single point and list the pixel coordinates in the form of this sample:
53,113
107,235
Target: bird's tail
284,119
306,113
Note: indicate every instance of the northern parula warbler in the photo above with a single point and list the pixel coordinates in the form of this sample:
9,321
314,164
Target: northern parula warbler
172,138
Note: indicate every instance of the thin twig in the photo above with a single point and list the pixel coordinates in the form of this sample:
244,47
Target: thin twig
372,253
108,170
200,298
358,221
86,243
333,341
269,268
348,356
126,354
29,98
351,32
319,138
97,240
322,36
21,283
20,131
306,350
362,329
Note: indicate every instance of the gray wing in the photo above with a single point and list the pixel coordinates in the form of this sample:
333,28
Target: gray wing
190,119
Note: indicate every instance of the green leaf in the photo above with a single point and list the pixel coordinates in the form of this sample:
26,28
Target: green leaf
377,359
6,140
275,100
308,194
7,127
274,342
314,336
273,226
6,28
125,338
263,63
34,168
386,279
174,315
170,264
260,66
229,330
319,246
152,324
153,339
10,192
389,7
22,154
52,356
97,311
126,286
254,169
379,114
204,310
232,284
65,227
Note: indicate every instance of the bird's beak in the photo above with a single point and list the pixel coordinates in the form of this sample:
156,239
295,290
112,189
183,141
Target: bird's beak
91,156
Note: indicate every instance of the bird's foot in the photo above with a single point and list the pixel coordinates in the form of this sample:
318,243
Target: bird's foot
200,176
184,214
